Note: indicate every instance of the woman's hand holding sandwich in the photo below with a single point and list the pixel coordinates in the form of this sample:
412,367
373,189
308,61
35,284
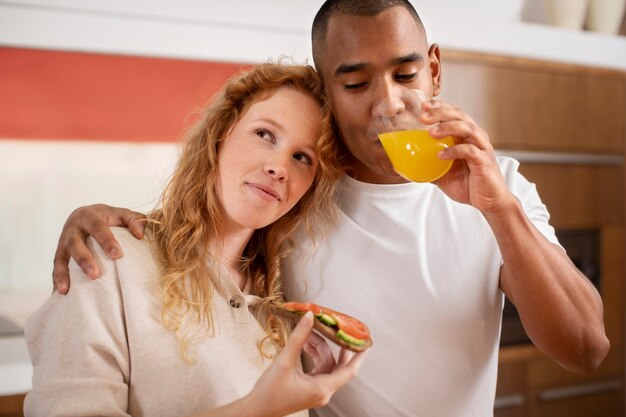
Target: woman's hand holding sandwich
285,387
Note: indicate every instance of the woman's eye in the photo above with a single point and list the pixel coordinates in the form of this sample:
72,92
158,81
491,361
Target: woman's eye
265,134
302,157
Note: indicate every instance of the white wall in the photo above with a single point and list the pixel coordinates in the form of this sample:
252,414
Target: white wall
252,30
41,182
234,30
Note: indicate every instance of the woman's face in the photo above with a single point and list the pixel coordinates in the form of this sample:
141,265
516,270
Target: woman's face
268,160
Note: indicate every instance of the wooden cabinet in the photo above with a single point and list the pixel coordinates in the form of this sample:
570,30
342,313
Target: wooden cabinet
556,392
574,118
530,384
536,105
513,397
11,406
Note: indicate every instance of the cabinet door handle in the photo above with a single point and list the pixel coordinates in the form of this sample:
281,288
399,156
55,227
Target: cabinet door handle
562,157
580,390
509,401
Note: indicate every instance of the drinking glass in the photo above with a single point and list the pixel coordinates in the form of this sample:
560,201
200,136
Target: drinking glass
411,150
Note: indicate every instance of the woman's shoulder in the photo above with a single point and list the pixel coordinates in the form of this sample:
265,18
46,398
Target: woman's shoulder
134,252
138,255
129,243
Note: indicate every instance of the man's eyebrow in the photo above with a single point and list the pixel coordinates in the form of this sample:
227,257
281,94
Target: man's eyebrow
348,68
412,57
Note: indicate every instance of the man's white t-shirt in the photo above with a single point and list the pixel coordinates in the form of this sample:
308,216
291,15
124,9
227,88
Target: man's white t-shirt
422,271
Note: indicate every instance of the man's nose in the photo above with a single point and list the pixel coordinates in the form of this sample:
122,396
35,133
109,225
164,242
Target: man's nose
388,100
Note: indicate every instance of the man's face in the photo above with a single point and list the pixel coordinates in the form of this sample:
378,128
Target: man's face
367,59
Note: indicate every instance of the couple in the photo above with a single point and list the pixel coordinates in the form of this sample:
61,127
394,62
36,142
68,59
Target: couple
425,266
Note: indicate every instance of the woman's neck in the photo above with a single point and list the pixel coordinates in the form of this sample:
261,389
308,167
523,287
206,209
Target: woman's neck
230,250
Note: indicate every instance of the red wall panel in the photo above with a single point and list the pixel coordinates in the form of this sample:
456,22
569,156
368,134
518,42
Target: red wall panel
71,95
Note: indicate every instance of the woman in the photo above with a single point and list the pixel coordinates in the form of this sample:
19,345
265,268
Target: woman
182,323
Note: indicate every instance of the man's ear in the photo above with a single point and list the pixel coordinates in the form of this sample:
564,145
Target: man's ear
435,68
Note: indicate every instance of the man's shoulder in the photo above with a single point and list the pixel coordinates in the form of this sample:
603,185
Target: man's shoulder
507,164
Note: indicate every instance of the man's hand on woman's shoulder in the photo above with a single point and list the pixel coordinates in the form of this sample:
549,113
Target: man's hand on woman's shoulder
94,220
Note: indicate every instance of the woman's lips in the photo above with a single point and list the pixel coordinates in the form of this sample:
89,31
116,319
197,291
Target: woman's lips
266,192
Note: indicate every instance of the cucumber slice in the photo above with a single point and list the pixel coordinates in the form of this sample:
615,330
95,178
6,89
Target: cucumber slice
327,320
349,339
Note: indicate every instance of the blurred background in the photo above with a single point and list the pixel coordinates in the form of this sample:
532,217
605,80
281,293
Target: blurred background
94,96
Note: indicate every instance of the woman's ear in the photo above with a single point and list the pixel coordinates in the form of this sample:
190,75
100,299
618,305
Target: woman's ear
435,68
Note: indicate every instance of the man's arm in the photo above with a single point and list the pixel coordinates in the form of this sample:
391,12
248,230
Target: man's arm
92,220
561,311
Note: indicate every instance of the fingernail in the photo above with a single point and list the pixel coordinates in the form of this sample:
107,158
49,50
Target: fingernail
90,271
114,252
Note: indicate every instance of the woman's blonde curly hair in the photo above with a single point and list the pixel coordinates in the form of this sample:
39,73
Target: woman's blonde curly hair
188,218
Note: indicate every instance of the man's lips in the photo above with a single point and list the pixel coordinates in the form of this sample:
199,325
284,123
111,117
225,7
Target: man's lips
264,190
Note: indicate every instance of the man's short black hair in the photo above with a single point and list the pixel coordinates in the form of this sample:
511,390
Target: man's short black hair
332,8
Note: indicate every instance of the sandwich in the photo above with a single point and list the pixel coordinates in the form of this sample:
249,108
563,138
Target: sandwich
344,330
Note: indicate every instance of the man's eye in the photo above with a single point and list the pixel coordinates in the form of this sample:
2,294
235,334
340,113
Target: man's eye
265,134
302,157
354,86
406,77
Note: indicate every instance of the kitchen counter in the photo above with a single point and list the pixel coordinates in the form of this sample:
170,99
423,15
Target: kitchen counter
15,368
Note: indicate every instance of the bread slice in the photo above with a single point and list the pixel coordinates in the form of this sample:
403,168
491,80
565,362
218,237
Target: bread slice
327,331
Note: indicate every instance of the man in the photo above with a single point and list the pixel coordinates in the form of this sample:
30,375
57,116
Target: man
425,266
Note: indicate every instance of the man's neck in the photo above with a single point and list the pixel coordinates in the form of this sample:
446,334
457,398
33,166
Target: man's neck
363,173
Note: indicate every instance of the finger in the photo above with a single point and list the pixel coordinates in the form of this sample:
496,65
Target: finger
291,352
438,111
316,340
313,345
78,250
60,272
317,348
469,153
467,131
342,374
135,222
100,230
344,357
357,360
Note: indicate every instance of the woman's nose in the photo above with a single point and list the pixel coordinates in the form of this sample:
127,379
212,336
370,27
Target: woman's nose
276,168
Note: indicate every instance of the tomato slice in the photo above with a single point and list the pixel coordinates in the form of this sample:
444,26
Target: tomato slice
349,324
303,307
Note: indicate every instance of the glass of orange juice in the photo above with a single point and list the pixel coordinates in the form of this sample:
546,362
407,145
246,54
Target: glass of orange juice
411,150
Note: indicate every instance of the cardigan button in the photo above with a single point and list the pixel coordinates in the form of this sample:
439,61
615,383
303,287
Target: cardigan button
235,302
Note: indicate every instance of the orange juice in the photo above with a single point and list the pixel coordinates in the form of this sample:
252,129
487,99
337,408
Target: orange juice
413,154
